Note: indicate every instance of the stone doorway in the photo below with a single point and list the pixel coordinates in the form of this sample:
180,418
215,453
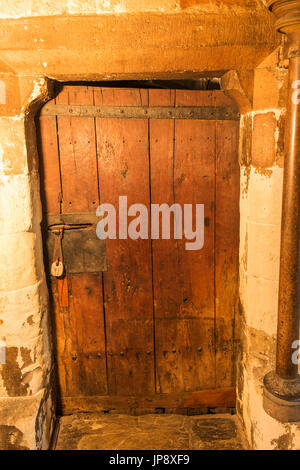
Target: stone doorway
50,41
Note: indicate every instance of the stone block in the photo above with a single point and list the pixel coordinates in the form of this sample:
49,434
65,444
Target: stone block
260,302
21,260
26,423
263,251
263,141
266,89
13,152
262,203
20,206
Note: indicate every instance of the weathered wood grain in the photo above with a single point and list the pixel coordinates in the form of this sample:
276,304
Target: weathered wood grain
78,159
226,250
49,165
124,170
151,403
80,339
158,330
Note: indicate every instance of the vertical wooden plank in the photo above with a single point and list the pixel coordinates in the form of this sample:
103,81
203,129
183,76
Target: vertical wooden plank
124,171
194,167
227,248
49,164
80,340
162,98
167,277
79,319
78,159
63,291
166,274
195,98
120,96
184,318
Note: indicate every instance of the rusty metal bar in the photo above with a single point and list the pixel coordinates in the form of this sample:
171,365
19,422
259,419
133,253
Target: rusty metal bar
289,278
142,112
77,218
282,386
58,227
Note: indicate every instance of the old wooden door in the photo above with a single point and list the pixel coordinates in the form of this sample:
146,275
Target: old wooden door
154,327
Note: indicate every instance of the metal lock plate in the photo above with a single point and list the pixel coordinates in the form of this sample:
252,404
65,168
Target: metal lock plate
82,250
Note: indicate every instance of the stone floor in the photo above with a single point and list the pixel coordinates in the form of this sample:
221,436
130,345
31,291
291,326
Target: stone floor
149,432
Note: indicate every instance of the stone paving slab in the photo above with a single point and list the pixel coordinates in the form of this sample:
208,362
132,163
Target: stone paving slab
149,432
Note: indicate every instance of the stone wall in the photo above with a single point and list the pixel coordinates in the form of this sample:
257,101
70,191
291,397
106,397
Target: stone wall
27,8
26,408
121,39
261,158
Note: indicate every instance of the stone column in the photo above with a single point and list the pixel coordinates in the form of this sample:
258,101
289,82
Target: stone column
26,408
282,386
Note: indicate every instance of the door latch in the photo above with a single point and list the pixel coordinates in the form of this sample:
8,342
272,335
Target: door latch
57,266
73,246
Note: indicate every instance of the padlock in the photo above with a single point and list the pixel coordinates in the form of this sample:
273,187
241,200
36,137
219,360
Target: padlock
57,269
